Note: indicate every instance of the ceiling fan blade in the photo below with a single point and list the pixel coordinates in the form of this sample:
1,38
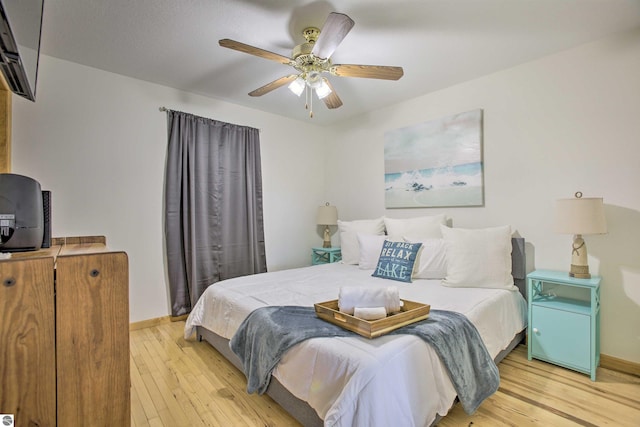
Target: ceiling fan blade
367,71
273,85
332,100
252,50
334,30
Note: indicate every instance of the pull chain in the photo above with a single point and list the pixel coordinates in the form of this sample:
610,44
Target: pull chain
308,100
306,97
309,96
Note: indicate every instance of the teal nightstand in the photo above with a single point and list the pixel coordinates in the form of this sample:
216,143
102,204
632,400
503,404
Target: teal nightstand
564,320
325,255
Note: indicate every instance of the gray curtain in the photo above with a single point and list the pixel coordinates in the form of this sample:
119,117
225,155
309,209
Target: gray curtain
213,205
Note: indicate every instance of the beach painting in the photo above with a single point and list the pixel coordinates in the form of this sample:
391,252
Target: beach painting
435,164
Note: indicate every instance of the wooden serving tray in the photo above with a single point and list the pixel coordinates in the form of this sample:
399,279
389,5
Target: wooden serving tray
411,312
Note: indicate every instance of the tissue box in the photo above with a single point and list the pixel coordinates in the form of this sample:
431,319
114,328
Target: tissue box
411,312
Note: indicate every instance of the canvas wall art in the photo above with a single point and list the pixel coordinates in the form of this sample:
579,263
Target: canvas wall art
435,164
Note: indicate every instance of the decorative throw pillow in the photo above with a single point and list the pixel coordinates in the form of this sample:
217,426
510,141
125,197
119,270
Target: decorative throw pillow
349,236
432,260
397,260
370,247
427,227
479,258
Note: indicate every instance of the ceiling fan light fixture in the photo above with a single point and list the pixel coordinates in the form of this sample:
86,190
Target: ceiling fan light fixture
312,59
323,89
314,80
297,86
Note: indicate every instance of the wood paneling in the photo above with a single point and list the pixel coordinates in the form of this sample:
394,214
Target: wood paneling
5,126
156,321
149,323
27,341
64,336
79,240
92,321
620,365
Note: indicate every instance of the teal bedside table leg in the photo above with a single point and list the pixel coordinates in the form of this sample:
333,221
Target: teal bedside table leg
529,318
595,331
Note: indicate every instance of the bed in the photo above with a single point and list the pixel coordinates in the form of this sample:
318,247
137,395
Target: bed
351,381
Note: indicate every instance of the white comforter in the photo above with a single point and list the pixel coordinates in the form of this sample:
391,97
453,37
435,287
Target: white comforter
392,380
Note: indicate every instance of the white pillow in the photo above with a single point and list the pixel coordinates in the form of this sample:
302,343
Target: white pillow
427,227
432,261
478,258
349,236
370,247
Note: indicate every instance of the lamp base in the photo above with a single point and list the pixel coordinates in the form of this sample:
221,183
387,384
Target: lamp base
580,271
327,238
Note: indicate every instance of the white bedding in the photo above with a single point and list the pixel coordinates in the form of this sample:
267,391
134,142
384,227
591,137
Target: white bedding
391,380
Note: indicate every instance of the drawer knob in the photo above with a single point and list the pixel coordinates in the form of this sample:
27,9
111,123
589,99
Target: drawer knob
535,330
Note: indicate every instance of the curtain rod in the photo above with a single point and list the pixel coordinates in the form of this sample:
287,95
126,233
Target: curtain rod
163,109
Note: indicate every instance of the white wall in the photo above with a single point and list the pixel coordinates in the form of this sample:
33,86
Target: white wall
98,141
564,123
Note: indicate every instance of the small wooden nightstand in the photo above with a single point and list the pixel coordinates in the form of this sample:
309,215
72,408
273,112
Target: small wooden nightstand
564,320
325,255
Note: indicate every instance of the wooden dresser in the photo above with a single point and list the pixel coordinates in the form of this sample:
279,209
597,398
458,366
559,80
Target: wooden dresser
64,335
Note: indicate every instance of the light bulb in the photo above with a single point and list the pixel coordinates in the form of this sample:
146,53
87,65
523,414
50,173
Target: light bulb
314,80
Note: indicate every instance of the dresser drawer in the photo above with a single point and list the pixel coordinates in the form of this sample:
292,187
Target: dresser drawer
561,337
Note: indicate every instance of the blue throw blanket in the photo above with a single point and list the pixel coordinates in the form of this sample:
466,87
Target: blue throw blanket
268,332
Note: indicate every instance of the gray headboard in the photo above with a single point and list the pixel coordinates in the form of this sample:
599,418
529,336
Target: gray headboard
519,265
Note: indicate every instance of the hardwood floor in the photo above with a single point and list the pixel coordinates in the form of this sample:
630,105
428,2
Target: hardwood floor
177,382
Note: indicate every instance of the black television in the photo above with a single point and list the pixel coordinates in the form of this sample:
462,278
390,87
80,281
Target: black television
20,31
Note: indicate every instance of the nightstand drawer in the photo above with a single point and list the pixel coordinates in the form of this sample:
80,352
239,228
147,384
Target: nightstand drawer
561,337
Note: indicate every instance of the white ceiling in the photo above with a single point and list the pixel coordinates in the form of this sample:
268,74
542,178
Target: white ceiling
439,43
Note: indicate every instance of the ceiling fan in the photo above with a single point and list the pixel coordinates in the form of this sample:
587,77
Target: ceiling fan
312,59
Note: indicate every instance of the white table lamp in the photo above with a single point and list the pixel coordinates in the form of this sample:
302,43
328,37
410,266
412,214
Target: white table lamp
327,215
580,216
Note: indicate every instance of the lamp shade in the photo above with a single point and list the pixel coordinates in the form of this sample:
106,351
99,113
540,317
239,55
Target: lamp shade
323,90
580,215
297,86
327,215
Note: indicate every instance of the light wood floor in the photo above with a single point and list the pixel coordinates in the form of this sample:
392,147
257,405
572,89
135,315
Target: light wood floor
177,382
